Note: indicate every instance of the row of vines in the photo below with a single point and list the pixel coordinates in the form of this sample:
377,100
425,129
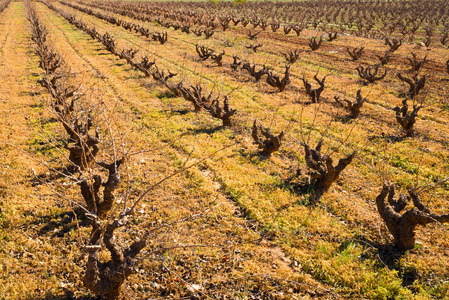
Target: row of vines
392,22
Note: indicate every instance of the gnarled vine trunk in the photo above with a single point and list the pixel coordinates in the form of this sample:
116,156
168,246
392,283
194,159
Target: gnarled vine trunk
403,227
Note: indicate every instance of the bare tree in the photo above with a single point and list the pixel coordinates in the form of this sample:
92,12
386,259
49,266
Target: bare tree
275,26
252,70
405,119
403,226
332,36
287,29
263,24
208,33
291,56
394,44
321,170
160,37
185,28
444,38
352,107
314,44
298,28
314,94
224,22
254,47
384,59
370,73
428,41
217,58
223,113
82,143
159,74
198,32
416,63
203,52
106,279
192,93
253,36
128,53
236,62
90,189
356,53
276,82
145,65
415,84
271,143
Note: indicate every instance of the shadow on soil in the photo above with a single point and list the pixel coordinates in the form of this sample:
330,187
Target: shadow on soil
66,296
58,173
388,138
173,112
209,130
296,182
386,255
344,119
166,95
61,223
255,157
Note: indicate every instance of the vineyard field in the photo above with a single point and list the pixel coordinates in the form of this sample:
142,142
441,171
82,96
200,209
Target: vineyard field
224,149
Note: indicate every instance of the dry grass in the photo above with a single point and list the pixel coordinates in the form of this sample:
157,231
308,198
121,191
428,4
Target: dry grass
275,245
